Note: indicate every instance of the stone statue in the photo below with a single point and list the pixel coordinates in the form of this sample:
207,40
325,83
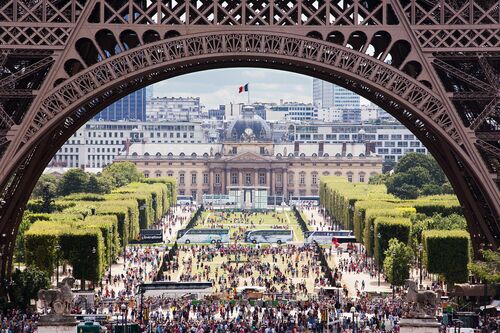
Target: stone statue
57,301
424,300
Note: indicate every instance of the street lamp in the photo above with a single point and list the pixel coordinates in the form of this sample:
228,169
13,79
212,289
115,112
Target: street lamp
94,252
353,311
58,250
420,248
379,236
124,317
393,278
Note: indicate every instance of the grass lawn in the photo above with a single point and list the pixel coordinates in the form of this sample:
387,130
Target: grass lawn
239,222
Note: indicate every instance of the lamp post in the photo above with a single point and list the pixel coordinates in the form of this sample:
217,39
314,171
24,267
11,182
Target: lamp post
94,251
58,251
379,236
353,310
420,248
393,277
124,317
110,253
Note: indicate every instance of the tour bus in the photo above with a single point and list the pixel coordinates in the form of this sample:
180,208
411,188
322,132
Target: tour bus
303,200
269,236
187,236
328,237
184,200
175,289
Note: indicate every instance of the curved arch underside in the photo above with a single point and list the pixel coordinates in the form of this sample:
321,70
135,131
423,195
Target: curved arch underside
442,98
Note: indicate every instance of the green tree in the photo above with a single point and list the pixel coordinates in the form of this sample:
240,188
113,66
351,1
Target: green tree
398,258
47,197
488,269
427,162
73,181
26,284
41,184
19,246
122,173
431,189
397,185
379,179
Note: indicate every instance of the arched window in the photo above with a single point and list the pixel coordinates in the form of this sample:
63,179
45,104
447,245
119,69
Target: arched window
193,155
170,155
314,155
290,155
158,154
205,155
157,173
349,177
182,154
146,154
338,173
362,177
134,154
146,174
302,155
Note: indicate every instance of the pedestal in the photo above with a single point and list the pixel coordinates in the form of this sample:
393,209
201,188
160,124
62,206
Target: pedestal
57,324
419,325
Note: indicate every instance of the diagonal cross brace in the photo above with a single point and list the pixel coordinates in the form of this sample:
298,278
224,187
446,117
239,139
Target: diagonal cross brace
493,106
462,75
5,118
25,71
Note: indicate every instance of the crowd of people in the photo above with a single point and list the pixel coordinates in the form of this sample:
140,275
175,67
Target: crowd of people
296,293
289,268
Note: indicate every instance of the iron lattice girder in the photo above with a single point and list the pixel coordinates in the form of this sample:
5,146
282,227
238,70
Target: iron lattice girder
491,75
489,148
489,136
17,93
493,106
5,119
26,71
452,70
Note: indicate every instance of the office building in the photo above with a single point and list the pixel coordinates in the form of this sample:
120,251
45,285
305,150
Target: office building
130,107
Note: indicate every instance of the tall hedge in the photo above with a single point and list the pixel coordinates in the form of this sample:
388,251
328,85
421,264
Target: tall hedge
388,228
447,252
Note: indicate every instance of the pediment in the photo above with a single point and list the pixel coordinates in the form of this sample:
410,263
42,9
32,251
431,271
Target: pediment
247,157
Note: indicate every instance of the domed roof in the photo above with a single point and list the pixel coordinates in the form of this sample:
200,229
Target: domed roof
249,127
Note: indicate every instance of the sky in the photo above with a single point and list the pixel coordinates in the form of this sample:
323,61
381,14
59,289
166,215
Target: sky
220,86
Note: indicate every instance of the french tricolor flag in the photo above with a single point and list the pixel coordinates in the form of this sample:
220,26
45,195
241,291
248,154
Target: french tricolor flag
243,88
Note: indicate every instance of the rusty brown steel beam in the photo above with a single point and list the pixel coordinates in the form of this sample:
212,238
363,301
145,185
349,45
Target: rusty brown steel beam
17,93
489,148
461,75
11,79
5,119
493,106
489,136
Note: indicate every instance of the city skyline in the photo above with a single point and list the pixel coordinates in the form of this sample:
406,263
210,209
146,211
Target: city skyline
220,86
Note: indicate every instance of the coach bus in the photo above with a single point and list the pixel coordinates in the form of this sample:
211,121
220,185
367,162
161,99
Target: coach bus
184,200
187,236
175,289
304,200
328,237
277,236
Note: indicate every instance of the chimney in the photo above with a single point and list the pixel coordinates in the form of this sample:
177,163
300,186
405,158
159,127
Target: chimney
344,148
321,148
296,148
369,148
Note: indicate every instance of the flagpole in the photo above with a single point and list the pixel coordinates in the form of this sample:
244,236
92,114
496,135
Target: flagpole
248,95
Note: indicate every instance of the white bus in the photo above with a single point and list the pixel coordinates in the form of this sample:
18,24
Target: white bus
327,237
176,289
187,236
184,200
269,236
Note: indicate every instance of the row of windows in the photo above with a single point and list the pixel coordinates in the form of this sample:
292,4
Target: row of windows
249,178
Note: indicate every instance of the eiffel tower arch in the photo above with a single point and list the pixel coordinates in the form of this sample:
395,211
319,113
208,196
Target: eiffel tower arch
432,64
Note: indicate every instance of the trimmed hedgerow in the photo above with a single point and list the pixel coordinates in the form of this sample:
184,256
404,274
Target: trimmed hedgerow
388,228
447,252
